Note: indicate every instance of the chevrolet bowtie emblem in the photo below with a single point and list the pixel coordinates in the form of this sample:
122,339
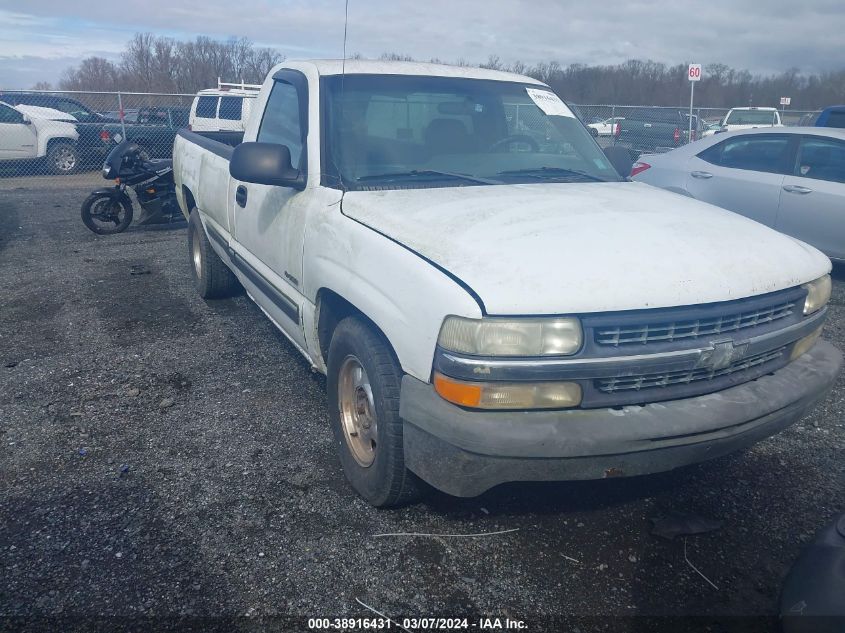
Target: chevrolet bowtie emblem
722,355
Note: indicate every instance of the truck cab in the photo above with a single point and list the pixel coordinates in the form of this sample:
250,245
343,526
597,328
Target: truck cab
750,118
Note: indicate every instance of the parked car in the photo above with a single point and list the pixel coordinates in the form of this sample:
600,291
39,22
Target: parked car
710,128
834,116
222,109
153,132
651,129
698,127
791,179
130,115
488,314
749,118
605,127
28,136
88,123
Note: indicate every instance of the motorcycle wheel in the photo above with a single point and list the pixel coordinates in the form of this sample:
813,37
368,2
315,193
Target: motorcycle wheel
106,215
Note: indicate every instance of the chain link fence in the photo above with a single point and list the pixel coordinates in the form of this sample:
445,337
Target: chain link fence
647,129
62,133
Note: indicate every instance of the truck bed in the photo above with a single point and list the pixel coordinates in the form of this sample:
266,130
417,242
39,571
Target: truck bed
201,167
221,143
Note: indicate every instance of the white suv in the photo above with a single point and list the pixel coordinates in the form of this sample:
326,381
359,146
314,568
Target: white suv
225,108
748,118
32,132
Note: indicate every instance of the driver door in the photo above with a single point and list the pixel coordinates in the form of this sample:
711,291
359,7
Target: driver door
269,221
17,137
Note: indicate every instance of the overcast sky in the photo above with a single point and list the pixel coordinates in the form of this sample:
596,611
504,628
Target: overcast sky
38,38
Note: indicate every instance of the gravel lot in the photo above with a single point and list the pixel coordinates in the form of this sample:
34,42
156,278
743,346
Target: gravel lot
167,458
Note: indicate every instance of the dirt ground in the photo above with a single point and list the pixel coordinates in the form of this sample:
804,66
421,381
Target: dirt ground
167,461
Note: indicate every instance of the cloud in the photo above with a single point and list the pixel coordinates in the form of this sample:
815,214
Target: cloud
763,37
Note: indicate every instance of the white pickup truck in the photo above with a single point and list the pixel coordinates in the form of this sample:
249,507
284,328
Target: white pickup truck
31,132
490,302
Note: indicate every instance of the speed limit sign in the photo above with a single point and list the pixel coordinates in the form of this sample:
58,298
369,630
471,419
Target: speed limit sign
694,73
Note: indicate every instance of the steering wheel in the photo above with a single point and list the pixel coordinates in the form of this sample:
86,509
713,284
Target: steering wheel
514,138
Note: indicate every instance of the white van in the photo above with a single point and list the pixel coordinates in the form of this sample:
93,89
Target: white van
225,108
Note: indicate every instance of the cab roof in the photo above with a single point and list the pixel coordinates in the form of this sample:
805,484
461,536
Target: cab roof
326,67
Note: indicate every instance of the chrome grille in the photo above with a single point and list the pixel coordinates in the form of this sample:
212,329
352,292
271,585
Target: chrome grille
651,381
691,329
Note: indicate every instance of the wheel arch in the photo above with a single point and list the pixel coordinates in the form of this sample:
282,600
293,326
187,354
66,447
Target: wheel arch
331,309
186,201
54,140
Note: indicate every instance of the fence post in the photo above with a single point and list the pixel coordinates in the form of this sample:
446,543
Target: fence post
613,124
121,114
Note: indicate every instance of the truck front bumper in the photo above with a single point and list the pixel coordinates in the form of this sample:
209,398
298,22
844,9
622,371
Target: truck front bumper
465,452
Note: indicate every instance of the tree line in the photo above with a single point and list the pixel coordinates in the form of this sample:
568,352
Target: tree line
637,82
161,64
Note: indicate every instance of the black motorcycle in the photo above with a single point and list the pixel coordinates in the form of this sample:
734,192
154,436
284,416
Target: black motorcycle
109,211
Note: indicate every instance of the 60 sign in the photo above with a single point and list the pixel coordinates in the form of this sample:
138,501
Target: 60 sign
694,73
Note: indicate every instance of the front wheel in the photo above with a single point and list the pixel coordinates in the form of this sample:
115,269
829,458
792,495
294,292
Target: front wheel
62,159
363,388
106,214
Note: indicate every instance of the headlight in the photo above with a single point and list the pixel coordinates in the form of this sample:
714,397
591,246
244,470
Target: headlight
818,294
508,395
511,337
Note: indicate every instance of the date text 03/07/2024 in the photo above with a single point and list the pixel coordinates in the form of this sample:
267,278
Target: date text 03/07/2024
413,624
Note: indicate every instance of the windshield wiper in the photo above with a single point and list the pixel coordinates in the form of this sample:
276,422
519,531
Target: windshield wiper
414,173
549,173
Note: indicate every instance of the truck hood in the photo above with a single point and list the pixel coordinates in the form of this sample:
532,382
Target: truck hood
51,114
592,247
55,129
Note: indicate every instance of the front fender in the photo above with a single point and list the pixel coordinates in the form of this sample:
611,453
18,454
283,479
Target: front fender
45,135
404,295
115,193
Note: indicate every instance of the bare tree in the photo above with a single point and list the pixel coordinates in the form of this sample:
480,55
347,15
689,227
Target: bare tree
93,73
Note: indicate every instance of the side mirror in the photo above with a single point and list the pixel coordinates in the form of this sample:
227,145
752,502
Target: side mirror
265,164
26,120
620,158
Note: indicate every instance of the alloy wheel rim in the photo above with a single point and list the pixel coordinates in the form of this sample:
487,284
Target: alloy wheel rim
64,160
108,212
357,411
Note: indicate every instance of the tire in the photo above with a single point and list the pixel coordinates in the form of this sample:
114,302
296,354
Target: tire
362,371
62,159
212,278
115,213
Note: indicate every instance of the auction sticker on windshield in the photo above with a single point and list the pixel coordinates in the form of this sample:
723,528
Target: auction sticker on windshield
549,102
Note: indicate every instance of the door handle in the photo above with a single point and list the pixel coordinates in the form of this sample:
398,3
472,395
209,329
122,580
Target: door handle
701,174
240,196
797,189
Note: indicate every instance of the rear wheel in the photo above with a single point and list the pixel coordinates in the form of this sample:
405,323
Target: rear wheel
363,388
105,214
62,159
212,278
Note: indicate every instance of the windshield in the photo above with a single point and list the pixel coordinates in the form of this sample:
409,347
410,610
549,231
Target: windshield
751,117
399,131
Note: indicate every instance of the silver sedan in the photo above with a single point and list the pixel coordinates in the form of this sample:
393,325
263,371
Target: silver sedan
791,179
